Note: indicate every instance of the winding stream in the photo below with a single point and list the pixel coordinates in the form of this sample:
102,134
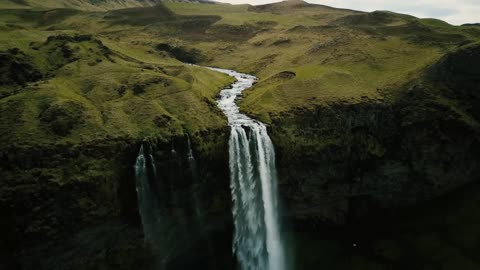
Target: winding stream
257,241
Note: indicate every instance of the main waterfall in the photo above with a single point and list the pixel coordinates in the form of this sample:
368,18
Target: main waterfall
257,241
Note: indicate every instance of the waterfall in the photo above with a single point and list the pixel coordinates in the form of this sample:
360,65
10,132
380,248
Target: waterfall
152,163
190,151
194,177
146,202
173,151
257,241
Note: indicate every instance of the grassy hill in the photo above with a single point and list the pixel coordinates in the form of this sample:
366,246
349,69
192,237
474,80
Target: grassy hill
115,91
87,5
92,5
334,53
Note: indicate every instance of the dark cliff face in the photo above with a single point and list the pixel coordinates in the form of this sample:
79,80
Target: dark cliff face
51,193
386,184
458,75
347,160
76,206
341,162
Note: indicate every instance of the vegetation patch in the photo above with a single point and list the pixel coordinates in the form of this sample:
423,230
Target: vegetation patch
62,118
181,53
233,32
266,24
162,121
280,6
38,18
16,68
138,89
458,75
141,16
461,68
282,41
375,18
285,75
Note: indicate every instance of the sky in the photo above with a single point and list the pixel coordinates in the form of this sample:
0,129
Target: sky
452,11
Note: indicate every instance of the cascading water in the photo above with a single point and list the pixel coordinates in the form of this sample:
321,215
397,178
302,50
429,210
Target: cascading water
173,151
190,151
192,164
152,160
148,203
257,241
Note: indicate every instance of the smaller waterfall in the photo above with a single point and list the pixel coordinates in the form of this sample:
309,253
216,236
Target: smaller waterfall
149,205
190,151
194,177
153,163
173,151
146,202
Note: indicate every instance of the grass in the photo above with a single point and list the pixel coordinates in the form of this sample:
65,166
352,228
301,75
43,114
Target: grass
360,69
9,4
332,59
243,14
102,85
79,4
335,55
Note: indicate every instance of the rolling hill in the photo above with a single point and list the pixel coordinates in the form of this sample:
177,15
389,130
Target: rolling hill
90,5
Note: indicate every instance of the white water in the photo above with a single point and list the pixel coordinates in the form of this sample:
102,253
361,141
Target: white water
146,202
152,220
153,163
257,240
190,151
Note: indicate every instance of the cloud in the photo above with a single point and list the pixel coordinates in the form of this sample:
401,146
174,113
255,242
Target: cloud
455,12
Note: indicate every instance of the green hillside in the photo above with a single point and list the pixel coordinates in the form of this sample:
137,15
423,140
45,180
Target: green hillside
92,5
345,54
115,90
